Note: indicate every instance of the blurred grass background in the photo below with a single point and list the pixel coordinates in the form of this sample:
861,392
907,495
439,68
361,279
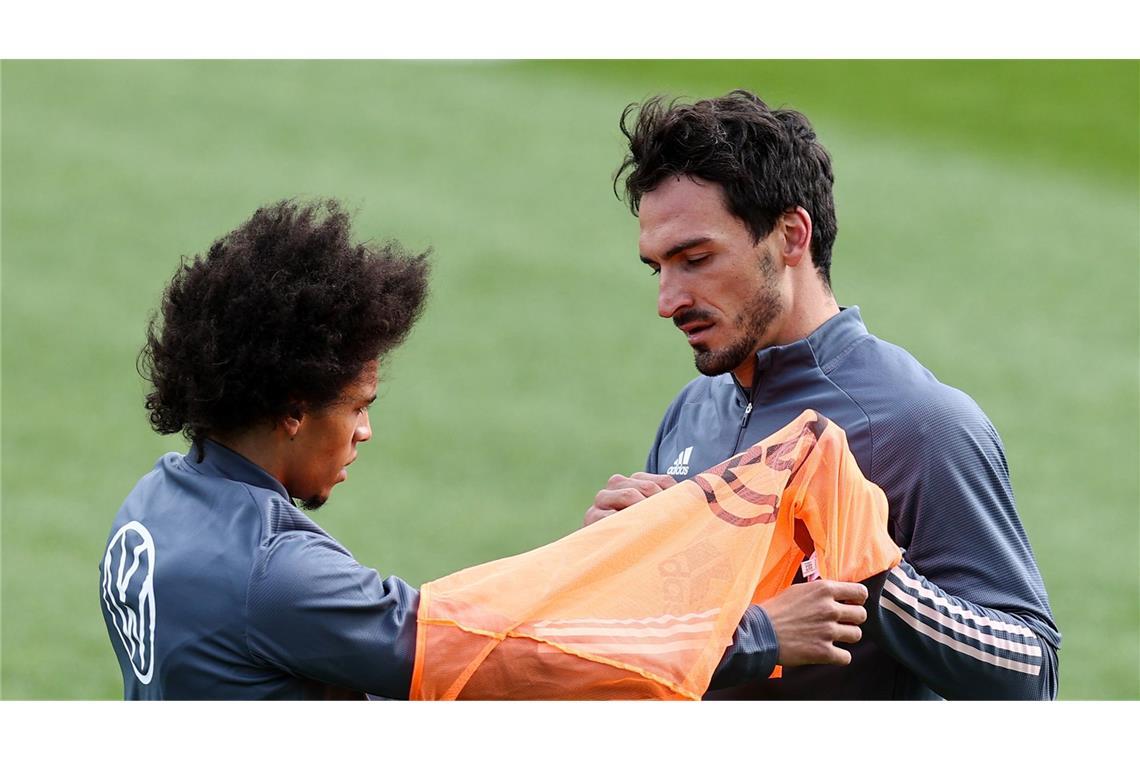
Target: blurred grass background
989,223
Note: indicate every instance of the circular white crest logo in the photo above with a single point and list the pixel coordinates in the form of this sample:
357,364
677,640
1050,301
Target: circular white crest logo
128,592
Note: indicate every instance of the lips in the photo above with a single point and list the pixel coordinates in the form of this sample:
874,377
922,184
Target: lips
343,474
696,331
696,323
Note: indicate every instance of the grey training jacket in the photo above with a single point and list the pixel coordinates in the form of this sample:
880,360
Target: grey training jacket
965,616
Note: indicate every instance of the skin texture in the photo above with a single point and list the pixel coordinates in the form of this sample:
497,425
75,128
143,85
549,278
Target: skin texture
717,285
732,295
309,454
810,617
729,294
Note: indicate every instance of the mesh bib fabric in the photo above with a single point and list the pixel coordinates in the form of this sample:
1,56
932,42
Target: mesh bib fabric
643,604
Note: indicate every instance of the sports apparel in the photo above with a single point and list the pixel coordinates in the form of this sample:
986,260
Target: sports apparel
643,604
965,614
214,586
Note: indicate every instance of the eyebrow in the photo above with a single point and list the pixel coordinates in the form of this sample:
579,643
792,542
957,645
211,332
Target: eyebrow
354,400
680,248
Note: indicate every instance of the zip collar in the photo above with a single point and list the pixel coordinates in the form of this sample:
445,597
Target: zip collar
827,344
220,461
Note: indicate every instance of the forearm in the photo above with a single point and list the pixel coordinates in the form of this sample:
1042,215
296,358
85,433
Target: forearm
959,649
752,654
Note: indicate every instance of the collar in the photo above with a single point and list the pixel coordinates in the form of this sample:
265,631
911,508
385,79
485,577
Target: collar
827,343
224,462
831,339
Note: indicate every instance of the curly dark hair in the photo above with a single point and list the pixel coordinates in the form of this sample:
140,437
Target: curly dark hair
767,161
279,316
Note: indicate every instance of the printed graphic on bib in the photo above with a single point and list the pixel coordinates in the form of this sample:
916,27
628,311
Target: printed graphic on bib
128,593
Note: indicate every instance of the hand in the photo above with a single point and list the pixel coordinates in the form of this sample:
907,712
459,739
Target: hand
621,492
810,617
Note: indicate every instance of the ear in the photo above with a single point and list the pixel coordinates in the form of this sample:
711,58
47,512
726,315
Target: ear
293,419
796,228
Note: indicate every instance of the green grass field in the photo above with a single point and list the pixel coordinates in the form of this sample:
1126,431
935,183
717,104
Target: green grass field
988,216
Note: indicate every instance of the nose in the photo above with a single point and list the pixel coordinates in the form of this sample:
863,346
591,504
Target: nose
363,428
672,295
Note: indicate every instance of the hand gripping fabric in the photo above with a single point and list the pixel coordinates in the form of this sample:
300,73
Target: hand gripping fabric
643,604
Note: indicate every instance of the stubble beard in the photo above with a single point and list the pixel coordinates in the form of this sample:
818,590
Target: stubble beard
754,323
313,503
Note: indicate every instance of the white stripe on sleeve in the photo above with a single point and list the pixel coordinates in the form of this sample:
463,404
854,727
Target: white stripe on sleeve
956,645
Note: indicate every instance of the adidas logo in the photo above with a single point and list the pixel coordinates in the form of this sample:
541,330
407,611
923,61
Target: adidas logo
681,465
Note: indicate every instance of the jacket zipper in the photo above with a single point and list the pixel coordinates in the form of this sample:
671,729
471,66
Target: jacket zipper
747,409
743,424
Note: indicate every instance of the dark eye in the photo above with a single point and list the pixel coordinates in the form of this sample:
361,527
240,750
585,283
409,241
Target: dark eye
697,260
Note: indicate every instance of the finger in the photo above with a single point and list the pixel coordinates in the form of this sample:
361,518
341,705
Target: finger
839,656
593,514
617,480
663,481
645,486
617,499
855,593
848,634
851,614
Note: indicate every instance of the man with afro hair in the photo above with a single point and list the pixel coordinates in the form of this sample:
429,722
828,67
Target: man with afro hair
265,354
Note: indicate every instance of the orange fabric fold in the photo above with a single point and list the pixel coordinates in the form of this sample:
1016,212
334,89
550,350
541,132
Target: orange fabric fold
642,605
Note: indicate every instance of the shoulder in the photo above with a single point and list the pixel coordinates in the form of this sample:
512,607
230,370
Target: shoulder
295,545
297,571
185,503
905,404
934,451
283,527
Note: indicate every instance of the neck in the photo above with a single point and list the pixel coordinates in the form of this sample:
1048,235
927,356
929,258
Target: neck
257,446
804,321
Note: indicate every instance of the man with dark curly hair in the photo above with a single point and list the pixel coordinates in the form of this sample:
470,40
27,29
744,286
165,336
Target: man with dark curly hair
737,222
214,585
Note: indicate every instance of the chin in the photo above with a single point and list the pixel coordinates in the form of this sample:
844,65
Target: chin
711,364
314,502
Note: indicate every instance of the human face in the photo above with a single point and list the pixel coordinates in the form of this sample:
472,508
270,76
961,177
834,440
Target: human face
718,285
325,441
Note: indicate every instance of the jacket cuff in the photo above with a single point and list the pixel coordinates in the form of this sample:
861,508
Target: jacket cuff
753,654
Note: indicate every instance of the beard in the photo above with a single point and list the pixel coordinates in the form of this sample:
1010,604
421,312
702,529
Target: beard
752,324
312,503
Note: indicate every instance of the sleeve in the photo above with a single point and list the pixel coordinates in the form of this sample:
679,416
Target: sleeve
959,649
752,654
966,611
317,613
